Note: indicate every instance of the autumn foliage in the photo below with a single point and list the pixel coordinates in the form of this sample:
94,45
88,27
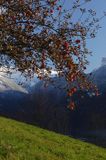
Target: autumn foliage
37,36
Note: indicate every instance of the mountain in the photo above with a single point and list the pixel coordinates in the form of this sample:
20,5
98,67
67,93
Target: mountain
87,120
99,77
13,99
7,84
47,108
90,115
51,106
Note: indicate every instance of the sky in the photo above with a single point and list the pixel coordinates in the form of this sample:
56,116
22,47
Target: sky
97,45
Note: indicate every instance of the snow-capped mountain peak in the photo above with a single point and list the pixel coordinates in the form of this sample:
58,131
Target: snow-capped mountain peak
8,84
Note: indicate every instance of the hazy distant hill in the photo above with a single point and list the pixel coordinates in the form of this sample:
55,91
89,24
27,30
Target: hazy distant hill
99,77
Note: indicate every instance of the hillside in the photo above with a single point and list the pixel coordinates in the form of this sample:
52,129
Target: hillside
19,141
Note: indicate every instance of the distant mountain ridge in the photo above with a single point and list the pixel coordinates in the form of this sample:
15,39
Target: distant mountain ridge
7,84
100,72
99,77
47,107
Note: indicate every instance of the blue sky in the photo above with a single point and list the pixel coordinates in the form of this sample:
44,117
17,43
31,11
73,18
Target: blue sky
97,45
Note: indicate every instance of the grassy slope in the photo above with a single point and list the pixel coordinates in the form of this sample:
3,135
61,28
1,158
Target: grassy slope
19,141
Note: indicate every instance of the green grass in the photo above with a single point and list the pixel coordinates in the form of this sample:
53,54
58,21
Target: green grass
19,141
